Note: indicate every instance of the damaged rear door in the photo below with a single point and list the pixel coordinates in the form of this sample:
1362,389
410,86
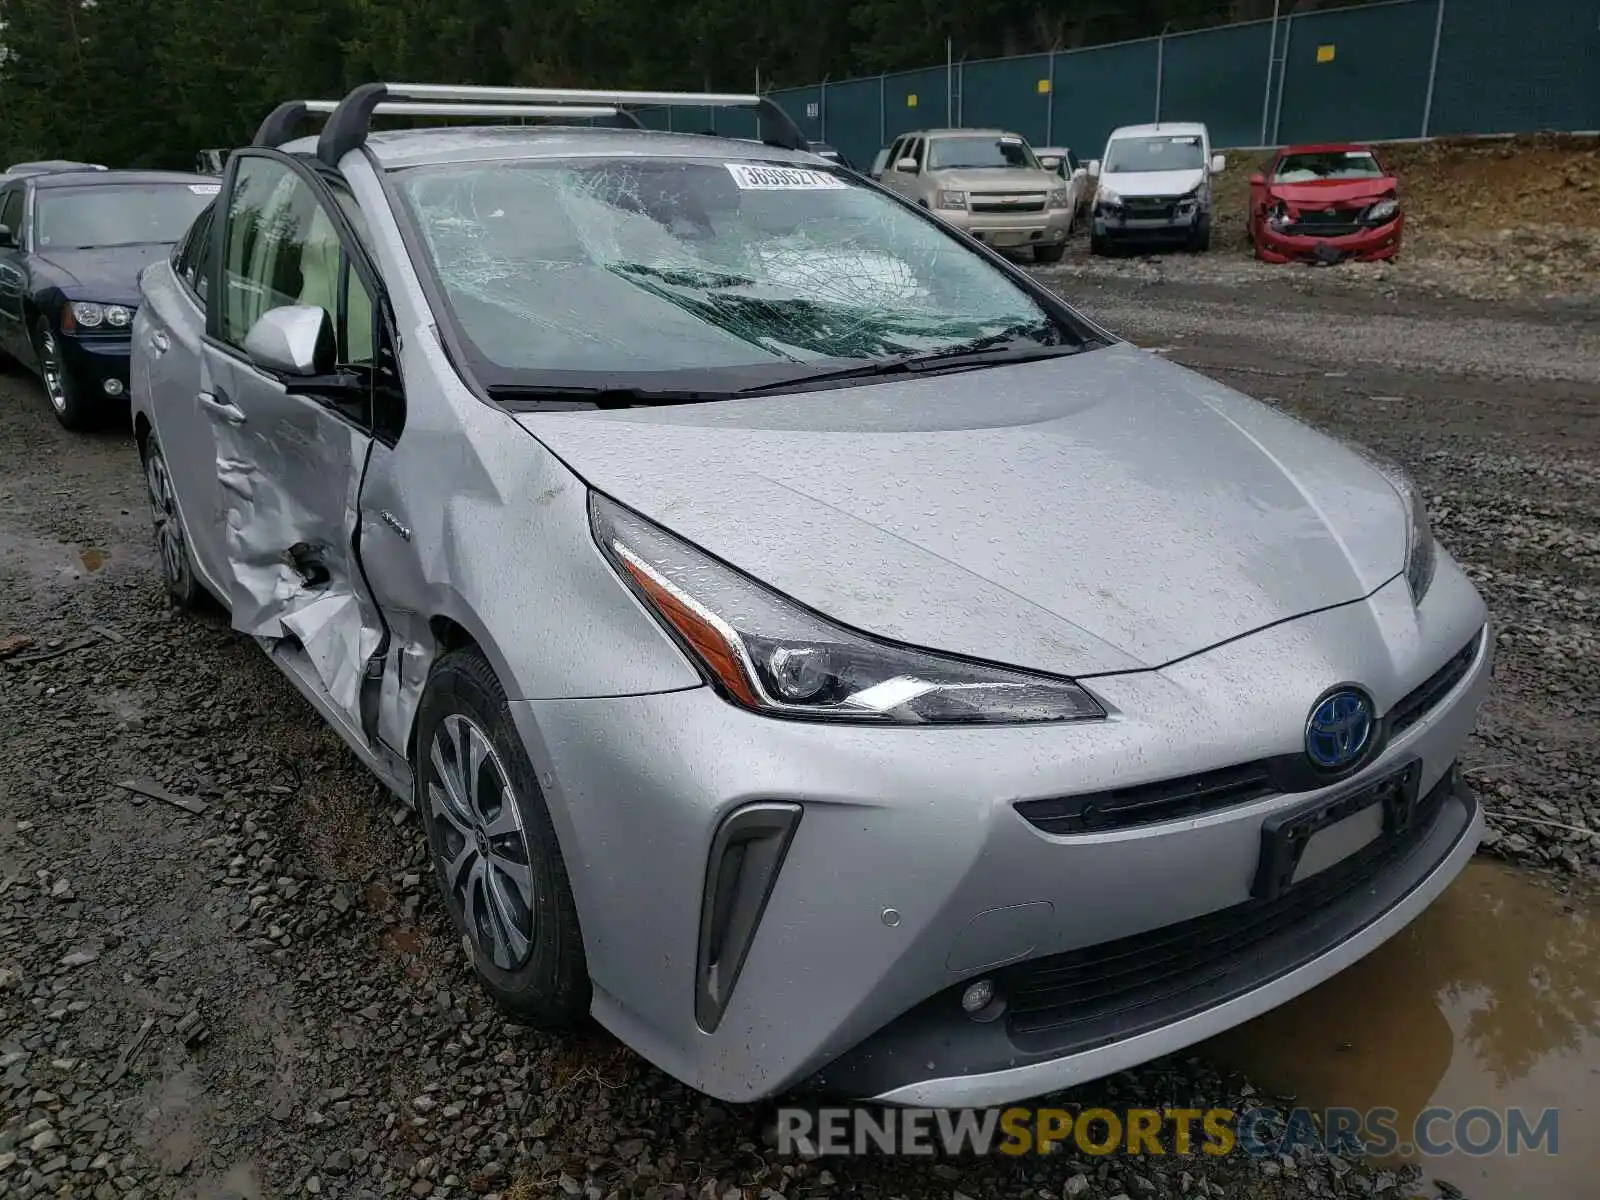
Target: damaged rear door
292,447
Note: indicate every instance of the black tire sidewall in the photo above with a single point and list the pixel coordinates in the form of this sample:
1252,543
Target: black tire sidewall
551,988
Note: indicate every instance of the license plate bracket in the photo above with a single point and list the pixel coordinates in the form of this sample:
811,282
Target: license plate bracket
1284,837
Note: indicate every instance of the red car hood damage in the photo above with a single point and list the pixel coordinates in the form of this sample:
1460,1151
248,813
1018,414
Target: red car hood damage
1340,193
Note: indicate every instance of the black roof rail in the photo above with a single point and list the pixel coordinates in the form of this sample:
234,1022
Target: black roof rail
281,123
351,119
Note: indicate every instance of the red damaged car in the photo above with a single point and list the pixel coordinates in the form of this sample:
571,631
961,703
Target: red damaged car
1325,204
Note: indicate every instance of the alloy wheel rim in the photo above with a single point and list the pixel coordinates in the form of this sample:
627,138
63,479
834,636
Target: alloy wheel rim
479,841
50,367
164,510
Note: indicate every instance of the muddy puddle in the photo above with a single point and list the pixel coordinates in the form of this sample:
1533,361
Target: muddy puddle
1490,1000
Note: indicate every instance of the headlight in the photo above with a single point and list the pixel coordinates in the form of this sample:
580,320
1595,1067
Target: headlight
1383,210
1422,552
768,654
1105,195
118,315
1058,198
86,314
947,199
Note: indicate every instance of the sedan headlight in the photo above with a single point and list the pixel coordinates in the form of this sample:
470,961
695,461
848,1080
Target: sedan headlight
768,654
1105,195
1383,210
87,314
1058,198
944,198
1422,552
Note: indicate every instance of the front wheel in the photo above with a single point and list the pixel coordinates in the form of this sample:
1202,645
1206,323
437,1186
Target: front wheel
494,848
172,547
1099,244
64,400
1200,236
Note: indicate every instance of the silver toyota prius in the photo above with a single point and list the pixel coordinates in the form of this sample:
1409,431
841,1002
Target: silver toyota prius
811,647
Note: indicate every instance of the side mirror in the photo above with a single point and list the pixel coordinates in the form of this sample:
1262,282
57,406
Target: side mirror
1093,167
1258,180
8,240
296,339
906,164
1218,162
1050,162
1080,173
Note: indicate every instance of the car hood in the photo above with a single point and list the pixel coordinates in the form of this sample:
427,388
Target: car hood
110,275
1152,183
996,179
1332,191
1103,512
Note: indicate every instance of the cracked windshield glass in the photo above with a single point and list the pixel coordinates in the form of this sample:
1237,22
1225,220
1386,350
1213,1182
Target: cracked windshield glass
702,268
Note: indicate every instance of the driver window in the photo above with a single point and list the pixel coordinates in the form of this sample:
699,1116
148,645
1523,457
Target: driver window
282,248
11,212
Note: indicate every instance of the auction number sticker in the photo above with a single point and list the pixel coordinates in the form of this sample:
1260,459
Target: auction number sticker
752,178
205,189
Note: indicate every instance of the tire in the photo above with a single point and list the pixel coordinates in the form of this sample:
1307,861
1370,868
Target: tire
64,400
1099,244
494,850
172,545
1048,254
1200,237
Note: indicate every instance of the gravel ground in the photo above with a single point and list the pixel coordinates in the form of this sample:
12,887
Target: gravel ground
262,998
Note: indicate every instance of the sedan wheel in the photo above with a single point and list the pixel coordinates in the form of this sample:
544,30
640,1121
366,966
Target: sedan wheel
57,385
480,841
172,548
494,848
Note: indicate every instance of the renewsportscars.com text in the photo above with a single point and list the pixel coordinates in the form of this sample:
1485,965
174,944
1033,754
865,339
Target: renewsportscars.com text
1150,1131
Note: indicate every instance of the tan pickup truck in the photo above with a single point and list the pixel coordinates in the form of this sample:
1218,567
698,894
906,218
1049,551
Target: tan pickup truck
987,181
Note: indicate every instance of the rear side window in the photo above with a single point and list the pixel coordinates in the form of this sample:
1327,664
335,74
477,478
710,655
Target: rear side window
193,259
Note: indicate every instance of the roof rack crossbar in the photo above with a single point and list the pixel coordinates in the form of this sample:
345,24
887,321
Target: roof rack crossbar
282,122
405,108
351,118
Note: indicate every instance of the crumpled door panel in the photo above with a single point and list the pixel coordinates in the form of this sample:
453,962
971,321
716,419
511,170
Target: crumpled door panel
290,477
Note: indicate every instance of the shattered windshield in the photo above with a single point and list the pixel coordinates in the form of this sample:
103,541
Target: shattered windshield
970,153
1127,155
1337,164
701,270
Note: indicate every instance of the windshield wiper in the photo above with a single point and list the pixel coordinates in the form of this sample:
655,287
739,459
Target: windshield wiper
556,396
995,349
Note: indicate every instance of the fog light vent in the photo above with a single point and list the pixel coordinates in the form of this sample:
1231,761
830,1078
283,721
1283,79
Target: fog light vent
746,855
113,387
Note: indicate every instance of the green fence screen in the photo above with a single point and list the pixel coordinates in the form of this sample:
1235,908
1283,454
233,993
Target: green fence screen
1397,69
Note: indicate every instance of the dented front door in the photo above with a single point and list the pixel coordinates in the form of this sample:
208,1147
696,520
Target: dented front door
290,459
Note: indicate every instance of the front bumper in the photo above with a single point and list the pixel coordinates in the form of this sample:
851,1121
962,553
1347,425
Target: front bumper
1013,231
912,871
1118,224
1365,245
90,362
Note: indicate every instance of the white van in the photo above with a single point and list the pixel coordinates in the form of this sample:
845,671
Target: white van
1154,185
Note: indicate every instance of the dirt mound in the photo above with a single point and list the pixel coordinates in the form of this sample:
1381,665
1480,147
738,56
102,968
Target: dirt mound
1519,214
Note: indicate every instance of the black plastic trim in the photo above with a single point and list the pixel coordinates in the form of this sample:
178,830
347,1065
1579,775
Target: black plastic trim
747,853
280,125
